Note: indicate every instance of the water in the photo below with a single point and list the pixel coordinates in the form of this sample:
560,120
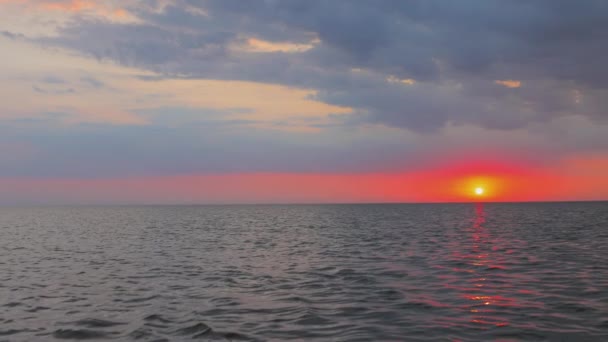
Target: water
335,272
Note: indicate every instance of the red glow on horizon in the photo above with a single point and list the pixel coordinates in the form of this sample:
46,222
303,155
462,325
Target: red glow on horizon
472,182
574,180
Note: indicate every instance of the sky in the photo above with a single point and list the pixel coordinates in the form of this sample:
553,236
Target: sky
291,101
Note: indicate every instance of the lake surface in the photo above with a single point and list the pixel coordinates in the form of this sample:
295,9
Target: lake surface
423,272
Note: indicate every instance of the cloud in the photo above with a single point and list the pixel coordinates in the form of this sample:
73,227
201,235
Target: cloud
263,46
59,81
509,83
53,80
12,35
92,82
393,79
108,9
55,91
447,52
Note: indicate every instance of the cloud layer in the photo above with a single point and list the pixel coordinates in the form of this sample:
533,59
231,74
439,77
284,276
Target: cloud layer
498,64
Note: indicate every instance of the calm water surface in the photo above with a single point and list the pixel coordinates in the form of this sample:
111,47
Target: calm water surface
462,272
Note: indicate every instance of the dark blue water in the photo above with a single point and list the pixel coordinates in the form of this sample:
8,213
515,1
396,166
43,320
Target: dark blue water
463,272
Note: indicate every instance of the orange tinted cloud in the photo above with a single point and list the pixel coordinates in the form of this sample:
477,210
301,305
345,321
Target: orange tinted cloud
74,6
68,6
509,83
258,45
394,79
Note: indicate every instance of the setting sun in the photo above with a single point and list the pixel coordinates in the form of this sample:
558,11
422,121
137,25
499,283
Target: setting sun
479,191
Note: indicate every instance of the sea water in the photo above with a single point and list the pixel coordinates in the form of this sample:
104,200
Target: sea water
402,272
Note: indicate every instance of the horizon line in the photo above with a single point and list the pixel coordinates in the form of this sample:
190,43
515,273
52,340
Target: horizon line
21,205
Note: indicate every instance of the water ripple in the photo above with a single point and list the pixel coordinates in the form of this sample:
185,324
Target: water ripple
344,273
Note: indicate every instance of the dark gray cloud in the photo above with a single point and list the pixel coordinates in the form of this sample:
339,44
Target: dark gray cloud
92,82
12,35
53,80
466,36
53,90
454,50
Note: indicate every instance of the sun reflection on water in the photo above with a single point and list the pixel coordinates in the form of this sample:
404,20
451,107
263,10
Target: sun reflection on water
483,259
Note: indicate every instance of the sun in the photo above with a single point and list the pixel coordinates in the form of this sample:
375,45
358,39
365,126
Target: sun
479,191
